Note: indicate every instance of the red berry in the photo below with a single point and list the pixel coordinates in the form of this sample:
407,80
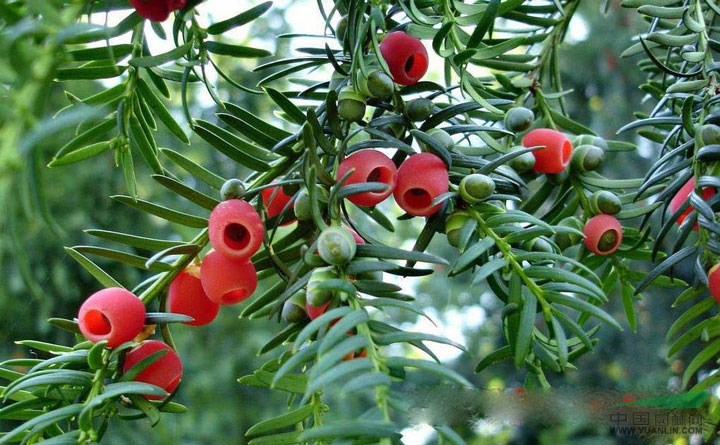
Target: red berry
186,296
156,10
227,280
683,195
275,201
603,234
164,372
370,166
714,282
113,314
316,311
421,178
406,57
556,154
235,229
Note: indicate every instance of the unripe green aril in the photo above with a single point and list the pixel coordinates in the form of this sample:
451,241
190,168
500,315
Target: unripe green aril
302,206
589,139
380,85
522,163
454,224
710,134
603,201
538,245
336,246
441,136
558,178
518,119
341,28
476,187
316,296
565,240
293,310
419,109
587,158
232,189
351,105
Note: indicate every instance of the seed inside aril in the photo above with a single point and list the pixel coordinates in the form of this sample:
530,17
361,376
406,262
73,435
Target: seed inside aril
607,240
237,236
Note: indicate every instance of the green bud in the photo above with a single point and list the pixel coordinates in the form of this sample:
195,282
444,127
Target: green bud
380,85
587,158
341,28
302,206
565,240
293,310
442,136
518,119
476,187
453,224
232,189
316,296
336,246
419,109
710,134
522,163
604,201
558,178
351,105
538,245
589,139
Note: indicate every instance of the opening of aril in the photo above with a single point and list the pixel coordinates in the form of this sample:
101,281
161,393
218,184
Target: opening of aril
566,152
608,240
415,65
237,237
97,323
417,198
380,174
234,296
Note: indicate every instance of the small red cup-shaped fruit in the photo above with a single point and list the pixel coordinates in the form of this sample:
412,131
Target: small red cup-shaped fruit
421,178
557,152
113,314
156,10
406,57
684,194
368,166
235,229
164,372
227,280
714,282
275,201
603,234
186,296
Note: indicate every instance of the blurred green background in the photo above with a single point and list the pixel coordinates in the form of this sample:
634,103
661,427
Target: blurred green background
40,281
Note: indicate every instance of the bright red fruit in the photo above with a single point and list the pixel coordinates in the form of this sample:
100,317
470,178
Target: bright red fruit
369,166
406,57
714,282
603,234
157,10
235,229
275,201
186,296
164,372
683,195
113,314
316,311
421,178
556,154
227,280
